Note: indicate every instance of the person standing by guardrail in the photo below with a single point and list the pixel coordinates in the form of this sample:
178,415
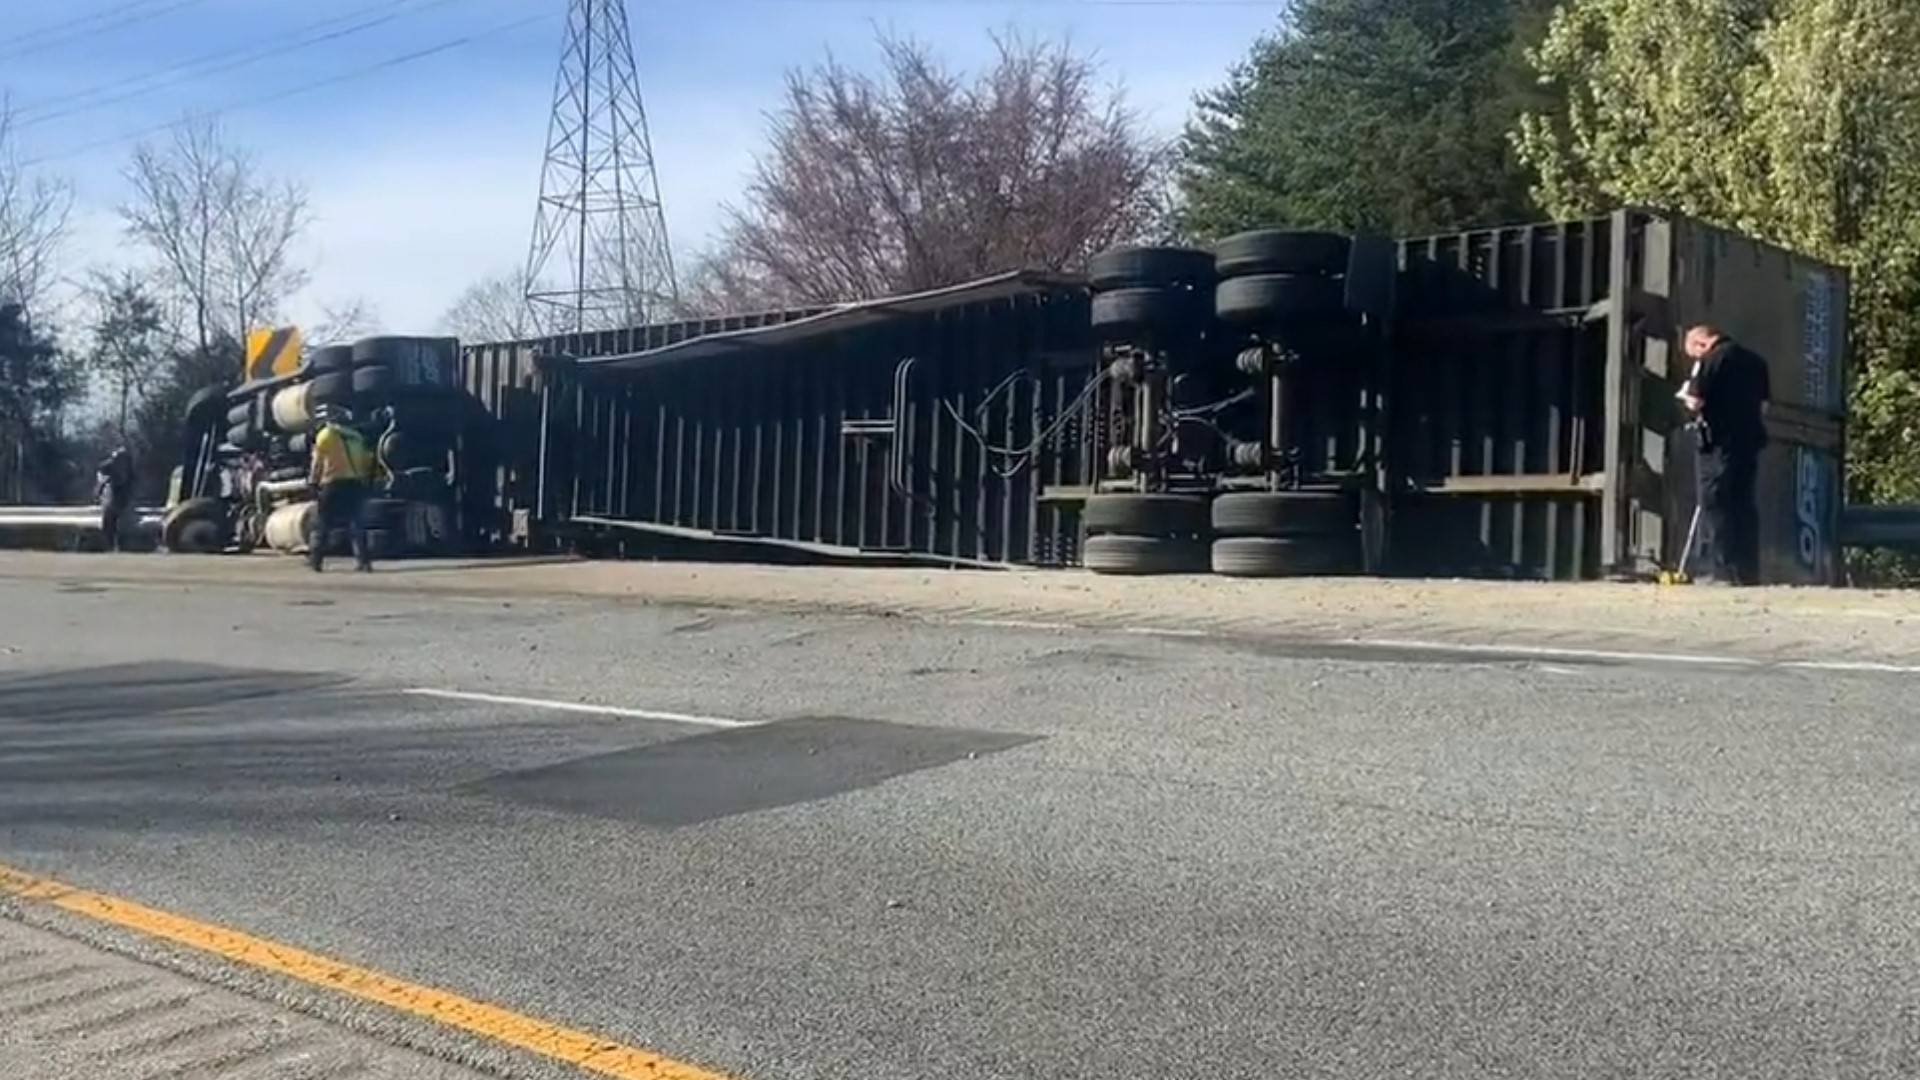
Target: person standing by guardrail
341,472
114,477
1727,395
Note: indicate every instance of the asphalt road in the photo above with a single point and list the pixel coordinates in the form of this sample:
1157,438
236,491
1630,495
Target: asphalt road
998,852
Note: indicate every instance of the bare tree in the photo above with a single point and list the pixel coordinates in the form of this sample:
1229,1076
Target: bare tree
496,309
129,344
222,233
919,177
33,223
343,322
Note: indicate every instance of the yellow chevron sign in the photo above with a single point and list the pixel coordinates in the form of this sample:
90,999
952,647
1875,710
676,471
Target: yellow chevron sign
272,351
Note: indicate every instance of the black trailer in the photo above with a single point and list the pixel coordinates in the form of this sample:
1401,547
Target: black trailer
1501,406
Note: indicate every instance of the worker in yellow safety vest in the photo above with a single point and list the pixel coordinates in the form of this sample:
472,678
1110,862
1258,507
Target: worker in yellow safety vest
341,473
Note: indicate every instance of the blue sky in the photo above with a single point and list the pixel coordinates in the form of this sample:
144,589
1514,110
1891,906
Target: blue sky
423,174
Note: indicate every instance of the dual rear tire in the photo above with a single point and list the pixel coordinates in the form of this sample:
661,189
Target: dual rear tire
1263,534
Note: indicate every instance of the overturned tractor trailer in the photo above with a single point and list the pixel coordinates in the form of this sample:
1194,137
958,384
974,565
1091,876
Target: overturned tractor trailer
1493,403
241,482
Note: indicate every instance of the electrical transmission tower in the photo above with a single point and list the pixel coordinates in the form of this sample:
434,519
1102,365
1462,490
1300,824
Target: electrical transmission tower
599,253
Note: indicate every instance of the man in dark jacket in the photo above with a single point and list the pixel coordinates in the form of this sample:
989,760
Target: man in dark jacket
1728,394
115,475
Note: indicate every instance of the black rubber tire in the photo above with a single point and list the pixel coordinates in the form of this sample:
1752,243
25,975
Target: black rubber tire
1281,251
195,527
373,380
200,537
1163,311
1284,513
330,358
1135,267
1271,298
333,388
380,544
395,451
1134,555
421,361
1283,556
385,513
203,408
1129,514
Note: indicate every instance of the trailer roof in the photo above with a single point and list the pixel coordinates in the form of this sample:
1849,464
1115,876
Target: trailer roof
838,320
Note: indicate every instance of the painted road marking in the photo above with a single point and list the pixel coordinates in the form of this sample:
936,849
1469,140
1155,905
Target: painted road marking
1517,651
572,1047
583,707
1545,652
1553,652
1012,624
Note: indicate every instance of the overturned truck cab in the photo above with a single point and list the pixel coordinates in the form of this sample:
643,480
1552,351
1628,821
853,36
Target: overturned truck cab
241,482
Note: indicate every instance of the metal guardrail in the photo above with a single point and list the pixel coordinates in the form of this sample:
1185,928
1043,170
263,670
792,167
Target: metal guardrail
1895,525
73,517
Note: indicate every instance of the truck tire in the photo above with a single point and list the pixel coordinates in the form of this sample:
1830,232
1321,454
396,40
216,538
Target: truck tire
373,381
1283,556
1137,555
196,527
203,408
333,388
1281,251
400,451
415,361
1136,267
1284,513
385,513
1130,514
1159,311
1278,298
329,358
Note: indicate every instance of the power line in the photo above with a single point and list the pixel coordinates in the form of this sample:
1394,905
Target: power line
132,20
318,84
226,60
95,16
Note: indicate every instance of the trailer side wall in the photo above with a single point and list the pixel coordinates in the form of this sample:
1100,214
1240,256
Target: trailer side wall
1792,311
1495,401
915,435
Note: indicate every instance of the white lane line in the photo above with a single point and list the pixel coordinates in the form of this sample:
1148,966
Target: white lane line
1872,666
1520,651
1545,652
583,707
1013,624
1552,652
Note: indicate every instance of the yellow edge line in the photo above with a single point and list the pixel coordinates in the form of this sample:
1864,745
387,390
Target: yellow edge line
577,1048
